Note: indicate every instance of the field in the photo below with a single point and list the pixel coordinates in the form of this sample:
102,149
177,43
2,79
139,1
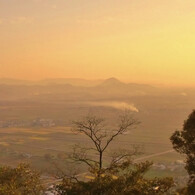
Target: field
38,129
41,146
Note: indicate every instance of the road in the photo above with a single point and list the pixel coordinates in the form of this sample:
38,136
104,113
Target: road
153,155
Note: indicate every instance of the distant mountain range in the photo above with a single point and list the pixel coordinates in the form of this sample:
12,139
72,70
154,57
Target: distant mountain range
70,89
113,82
59,81
72,81
78,90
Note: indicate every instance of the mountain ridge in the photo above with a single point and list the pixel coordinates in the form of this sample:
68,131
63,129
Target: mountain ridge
72,81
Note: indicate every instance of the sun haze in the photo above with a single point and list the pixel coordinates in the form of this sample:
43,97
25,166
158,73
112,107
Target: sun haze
150,41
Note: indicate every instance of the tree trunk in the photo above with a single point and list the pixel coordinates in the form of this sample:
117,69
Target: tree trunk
100,161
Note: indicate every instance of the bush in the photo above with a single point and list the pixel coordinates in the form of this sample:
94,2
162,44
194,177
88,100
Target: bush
19,181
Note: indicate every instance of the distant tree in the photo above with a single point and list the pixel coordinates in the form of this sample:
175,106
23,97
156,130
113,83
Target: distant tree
184,143
19,181
120,175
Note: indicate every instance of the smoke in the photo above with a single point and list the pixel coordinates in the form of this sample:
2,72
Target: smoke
116,105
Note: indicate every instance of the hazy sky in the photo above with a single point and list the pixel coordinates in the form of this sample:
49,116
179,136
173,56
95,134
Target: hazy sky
150,41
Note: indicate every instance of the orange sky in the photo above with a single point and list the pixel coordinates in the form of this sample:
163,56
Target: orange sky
148,41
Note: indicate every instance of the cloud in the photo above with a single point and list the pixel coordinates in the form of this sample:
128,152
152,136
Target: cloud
116,105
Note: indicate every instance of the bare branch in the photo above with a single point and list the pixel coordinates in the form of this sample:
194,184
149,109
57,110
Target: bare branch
90,126
95,130
80,155
127,122
121,155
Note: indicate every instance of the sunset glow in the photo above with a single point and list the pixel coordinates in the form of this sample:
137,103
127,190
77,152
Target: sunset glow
150,41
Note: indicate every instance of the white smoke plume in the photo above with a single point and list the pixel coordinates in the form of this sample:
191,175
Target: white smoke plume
116,105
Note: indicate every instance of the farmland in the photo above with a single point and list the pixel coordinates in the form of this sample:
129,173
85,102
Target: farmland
38,129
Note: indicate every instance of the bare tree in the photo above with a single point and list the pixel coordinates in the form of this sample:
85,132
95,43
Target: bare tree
122,175
101,137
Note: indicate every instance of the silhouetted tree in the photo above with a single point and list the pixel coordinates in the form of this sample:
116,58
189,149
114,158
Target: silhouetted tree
121,175
101,137
184,143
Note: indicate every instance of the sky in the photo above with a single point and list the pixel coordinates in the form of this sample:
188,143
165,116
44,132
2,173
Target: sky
144,41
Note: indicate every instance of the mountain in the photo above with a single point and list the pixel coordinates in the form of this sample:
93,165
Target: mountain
8,81
57,81
112,82
69,89
115,86
71,81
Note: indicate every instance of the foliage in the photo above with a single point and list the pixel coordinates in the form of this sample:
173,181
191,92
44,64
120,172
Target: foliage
19,181
184,143
121,175
123,178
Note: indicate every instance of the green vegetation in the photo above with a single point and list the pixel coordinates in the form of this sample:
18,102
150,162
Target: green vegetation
125,178
184,143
